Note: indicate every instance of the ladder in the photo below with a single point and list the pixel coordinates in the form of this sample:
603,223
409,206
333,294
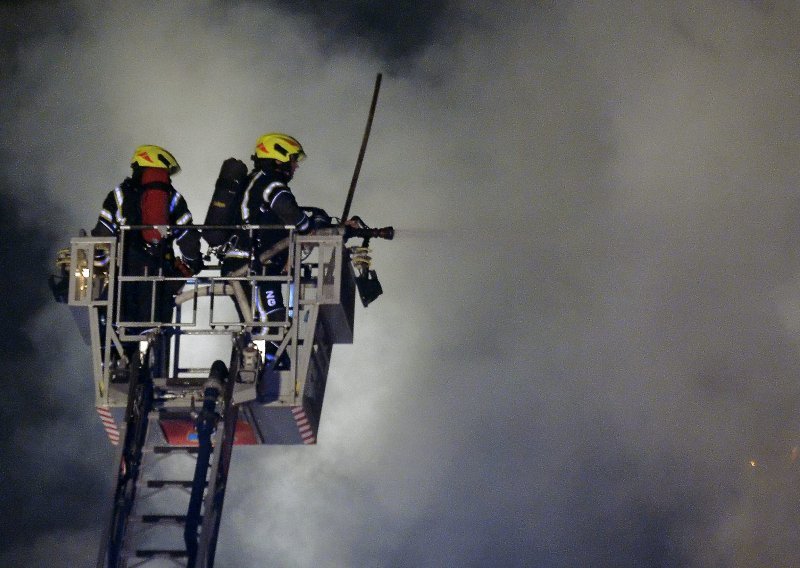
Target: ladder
168,499
175,425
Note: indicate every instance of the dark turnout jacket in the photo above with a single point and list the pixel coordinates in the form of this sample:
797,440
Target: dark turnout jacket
267,201
122,206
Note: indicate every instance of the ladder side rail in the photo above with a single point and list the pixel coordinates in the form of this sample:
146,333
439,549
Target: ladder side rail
218,478
140,401
212,511
206,422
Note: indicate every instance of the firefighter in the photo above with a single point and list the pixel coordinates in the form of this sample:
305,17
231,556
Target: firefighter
147,197
264,198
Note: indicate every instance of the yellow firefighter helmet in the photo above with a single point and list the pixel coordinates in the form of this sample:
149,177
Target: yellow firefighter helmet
280,147
149,156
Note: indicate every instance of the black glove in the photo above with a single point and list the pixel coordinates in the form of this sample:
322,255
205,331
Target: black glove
319,217
195,265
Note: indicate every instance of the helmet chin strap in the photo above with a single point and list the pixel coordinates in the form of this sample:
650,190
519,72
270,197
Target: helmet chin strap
284,170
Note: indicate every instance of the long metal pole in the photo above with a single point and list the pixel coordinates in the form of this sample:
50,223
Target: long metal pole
363,149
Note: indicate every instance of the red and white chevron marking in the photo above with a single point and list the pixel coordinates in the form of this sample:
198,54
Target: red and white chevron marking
306,432
109,424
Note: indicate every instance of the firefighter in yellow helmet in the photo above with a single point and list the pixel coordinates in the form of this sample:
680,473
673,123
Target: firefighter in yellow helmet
268,197
147,197
261,197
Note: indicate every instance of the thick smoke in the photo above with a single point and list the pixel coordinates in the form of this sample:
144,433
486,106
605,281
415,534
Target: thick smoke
395,33
587,349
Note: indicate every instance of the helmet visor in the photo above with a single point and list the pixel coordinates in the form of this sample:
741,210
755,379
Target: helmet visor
170,164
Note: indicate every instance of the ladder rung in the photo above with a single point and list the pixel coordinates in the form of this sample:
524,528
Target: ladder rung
153,518
170,449
158,483
162,552
159,518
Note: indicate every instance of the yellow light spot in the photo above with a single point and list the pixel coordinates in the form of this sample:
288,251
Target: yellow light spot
753,463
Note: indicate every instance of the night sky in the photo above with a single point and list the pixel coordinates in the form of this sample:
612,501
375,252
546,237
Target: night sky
588,348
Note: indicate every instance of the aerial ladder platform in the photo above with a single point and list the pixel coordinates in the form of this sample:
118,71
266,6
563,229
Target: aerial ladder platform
175,421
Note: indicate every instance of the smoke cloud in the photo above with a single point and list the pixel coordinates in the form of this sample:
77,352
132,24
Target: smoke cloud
587,348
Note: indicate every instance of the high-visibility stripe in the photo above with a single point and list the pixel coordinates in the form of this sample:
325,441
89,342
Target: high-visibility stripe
262,314
303,425
245,209
109,424
270,193
118,197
